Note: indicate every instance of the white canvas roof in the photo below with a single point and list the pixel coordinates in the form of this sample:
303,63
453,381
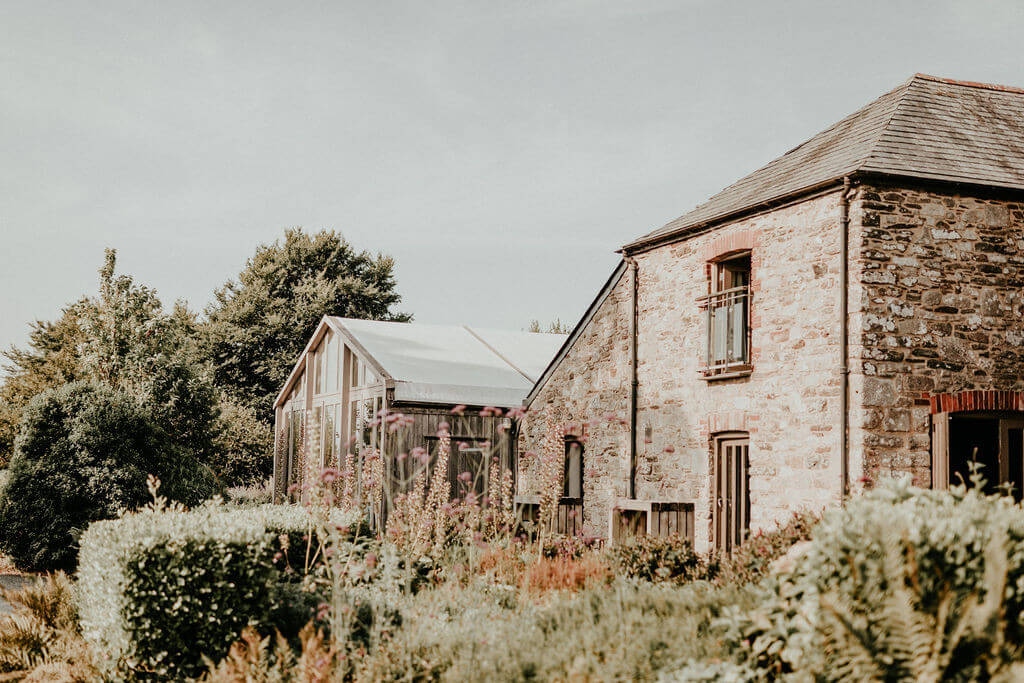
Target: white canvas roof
455,364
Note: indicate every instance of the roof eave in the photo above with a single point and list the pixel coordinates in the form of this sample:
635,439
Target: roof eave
652,241
570,340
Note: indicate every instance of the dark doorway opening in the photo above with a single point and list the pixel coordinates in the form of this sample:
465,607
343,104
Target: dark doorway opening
994,442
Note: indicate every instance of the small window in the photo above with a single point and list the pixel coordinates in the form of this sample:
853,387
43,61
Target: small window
572,482
728,317
318,370
331,364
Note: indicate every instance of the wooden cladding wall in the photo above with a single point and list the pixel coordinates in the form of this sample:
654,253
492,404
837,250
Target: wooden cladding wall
484,438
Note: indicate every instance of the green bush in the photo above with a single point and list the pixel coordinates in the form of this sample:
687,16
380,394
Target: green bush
655,558
159,589
752,560
900,584
243,448
83,454
623,632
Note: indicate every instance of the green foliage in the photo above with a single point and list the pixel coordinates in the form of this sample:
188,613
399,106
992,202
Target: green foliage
50,361
243,448
159,589
132,344
83,454
260,322
900,584
753,560
628,631
554,327
655,558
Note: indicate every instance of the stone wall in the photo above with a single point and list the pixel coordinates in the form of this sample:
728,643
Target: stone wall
936,308
589,392
789,404
942,312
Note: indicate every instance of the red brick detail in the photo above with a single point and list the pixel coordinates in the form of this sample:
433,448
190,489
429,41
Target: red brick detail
737,240
976,400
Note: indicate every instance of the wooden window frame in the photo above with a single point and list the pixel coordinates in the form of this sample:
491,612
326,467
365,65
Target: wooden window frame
941,439
723,296
571,441
730,490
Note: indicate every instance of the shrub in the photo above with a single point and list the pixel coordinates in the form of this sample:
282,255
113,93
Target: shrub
655,558
900,584
565,573
753,560
83,454
159,589
570,546
243,448
625,631
248,496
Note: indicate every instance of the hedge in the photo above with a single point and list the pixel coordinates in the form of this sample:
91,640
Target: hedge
158,590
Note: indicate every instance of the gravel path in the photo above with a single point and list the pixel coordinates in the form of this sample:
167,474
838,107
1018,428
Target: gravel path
11,581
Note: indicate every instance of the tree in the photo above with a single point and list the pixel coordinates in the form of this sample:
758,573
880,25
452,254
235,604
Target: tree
243,447
132,344
83,454
259,323
51,360
555,327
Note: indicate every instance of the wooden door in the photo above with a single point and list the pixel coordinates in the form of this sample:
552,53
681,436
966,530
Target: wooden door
940,451
1011,454
730,511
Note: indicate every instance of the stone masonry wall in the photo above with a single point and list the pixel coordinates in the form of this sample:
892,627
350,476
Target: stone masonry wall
589,390
789,404
942,312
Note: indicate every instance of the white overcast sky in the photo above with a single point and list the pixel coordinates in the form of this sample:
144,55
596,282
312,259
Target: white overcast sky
500,151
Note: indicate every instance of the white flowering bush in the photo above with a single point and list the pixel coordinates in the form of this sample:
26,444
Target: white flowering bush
900,584
161,588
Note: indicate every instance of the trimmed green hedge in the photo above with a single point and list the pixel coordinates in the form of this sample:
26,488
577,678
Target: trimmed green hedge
160,589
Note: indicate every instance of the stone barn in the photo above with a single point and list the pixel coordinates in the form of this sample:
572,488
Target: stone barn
850,311
354,372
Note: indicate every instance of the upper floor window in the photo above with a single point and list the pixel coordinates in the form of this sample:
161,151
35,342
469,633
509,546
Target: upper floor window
728,316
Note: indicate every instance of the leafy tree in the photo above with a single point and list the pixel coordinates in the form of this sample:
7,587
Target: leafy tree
259,323
51,360
132,344
83,454
554,327
243,447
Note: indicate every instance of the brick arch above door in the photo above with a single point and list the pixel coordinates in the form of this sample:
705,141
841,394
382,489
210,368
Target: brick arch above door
976,400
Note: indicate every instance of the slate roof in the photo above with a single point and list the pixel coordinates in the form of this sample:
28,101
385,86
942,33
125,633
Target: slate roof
928,127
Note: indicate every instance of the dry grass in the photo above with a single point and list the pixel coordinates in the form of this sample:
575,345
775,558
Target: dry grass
565,574
39,640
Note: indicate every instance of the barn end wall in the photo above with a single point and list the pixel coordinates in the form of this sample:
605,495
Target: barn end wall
941,312
588,391
789,404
